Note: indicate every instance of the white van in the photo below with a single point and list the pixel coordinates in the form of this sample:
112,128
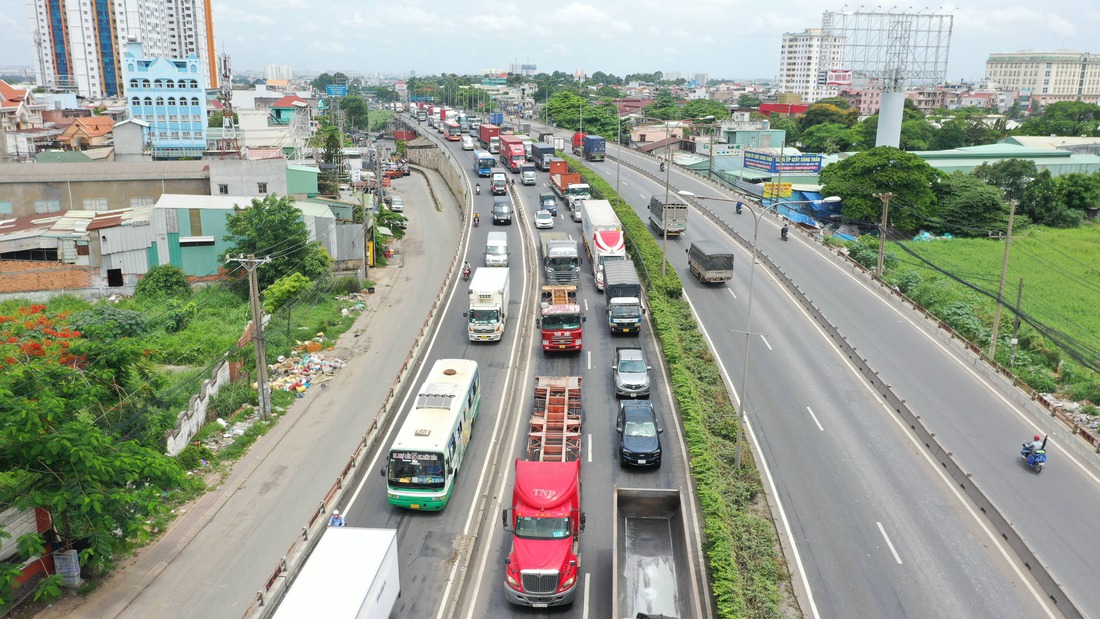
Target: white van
496,250
467,143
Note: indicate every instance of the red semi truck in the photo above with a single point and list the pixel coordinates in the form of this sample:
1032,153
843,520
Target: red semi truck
543,565
561,320
489,136
512,152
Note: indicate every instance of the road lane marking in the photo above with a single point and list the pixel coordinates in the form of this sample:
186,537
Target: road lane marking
642,196
586,596
765,338
590,359
811,411
888,542
732,294
586,306
590,447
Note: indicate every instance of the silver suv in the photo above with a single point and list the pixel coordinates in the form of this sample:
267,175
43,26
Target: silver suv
630,373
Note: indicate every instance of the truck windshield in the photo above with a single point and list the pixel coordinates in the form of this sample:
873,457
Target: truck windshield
416,470
496,250
561,322
626,311
542,528
484,316
562,264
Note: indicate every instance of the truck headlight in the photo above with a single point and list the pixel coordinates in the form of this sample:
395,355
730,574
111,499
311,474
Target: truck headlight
512,582
569,582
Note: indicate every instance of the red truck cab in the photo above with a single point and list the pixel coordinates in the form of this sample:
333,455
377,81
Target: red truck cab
543,564
561,322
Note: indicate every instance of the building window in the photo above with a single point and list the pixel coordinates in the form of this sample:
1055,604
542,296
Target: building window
261,188
142,201
5,207
47,206
223,189
196,241
95,204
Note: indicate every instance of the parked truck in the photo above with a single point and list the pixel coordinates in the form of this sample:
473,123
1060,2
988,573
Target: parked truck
489,136
710,262
488,312
670,219
623,291
561,261
595,147
512,155
652,564
352,573
543,565
541,153
604,240
561,321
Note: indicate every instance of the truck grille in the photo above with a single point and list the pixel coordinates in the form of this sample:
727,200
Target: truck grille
540,581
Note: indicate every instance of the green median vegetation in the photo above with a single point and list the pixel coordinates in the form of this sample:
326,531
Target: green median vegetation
746,570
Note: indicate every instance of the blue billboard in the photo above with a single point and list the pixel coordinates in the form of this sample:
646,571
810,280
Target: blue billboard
810,163
336,90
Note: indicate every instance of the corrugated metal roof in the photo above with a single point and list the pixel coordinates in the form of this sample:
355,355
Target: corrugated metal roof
180,200
100,171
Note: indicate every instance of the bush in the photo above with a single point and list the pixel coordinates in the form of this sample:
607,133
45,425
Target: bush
107,322
283,290
230,398
164,281
908,281
960,316
1038,379
179,316
349,284
191,456
1085,391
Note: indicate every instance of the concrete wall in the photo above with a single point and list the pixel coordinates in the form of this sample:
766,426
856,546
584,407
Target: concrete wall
243,176
190,420
19,277
71,194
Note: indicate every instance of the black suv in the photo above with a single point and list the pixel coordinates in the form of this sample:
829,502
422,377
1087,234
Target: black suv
639,434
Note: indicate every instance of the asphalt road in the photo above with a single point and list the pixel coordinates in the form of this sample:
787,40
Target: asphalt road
878,531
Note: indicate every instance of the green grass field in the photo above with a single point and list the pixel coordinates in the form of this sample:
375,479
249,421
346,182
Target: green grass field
1060,271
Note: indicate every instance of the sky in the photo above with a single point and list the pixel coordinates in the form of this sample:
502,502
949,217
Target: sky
722,38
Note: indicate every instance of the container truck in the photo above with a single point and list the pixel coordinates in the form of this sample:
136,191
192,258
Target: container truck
488,313
623,291
670,219
543,565
710,262
578,143
496,118
570,189
604,240
541,152
489,136
512,154
558,165
594,147
352,572
561,261
421,115
561,321
652,564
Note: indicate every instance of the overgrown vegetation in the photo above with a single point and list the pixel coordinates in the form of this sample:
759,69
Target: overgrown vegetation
741,546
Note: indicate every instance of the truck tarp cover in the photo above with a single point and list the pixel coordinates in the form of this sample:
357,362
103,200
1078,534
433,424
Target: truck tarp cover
546,485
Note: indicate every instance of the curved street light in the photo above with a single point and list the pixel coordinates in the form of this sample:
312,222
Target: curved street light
758,214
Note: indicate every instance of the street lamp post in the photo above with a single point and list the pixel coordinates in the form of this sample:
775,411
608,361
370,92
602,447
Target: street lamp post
757,216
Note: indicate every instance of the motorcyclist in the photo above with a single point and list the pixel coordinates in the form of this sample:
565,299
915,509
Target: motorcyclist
784,231
738,208
662,166
477,189
466,270
477,218
1035,445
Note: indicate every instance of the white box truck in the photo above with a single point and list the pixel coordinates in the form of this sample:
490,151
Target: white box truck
604,240
488,311
352,573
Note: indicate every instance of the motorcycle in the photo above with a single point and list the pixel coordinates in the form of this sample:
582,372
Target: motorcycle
662,166
466,274
783,233
477,219
1037,459
477,190
738,208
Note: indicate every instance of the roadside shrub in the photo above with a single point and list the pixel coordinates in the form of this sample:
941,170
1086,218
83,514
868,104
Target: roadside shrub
230,398
1085,391
909,281
348,284
283,290
960,316
179,315
161,282
107,322
191,456
1038,379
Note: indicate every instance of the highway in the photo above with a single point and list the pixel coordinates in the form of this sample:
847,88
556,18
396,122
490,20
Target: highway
432,544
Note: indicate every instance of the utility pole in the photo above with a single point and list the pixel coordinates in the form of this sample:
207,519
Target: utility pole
885,197
1001,286
251,264
1016,323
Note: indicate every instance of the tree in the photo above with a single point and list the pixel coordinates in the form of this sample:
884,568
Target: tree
331,156
1012,176
356,110
1039,199
65,401
969,206
323,80
793,135
163,281
883,169
836,102
821,113
1064,118
747,100
826,138
664,106
271,227
916,134
951,134
1078,191
701,108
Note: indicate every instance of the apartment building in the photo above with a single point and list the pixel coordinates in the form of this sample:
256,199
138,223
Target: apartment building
803,59
1050,77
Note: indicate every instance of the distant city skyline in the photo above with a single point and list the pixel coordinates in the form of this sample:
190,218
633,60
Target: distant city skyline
726,39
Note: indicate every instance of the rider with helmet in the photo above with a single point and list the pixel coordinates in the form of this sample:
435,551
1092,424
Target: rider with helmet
477,189
1035,445
477,218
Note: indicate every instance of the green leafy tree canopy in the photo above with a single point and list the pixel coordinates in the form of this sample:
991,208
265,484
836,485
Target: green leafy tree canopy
884,170
271,227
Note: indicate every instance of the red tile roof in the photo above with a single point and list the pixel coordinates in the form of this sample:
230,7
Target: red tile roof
11,97
289,101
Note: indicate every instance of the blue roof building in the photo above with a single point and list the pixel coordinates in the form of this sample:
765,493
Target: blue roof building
168,94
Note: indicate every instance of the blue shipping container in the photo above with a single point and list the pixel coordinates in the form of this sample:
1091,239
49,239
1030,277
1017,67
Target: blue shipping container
496,118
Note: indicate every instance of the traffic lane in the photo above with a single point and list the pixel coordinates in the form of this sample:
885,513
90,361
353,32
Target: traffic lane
973,421
817,424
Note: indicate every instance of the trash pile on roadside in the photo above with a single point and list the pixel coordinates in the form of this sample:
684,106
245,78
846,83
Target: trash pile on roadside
358,298
306,368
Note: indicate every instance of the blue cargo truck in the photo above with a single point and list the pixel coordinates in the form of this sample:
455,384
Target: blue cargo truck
541,153
594,147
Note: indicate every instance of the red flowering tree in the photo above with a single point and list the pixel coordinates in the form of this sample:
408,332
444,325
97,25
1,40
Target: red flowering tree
63,401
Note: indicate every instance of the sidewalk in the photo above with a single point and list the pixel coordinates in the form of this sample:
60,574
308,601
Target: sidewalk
219,551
